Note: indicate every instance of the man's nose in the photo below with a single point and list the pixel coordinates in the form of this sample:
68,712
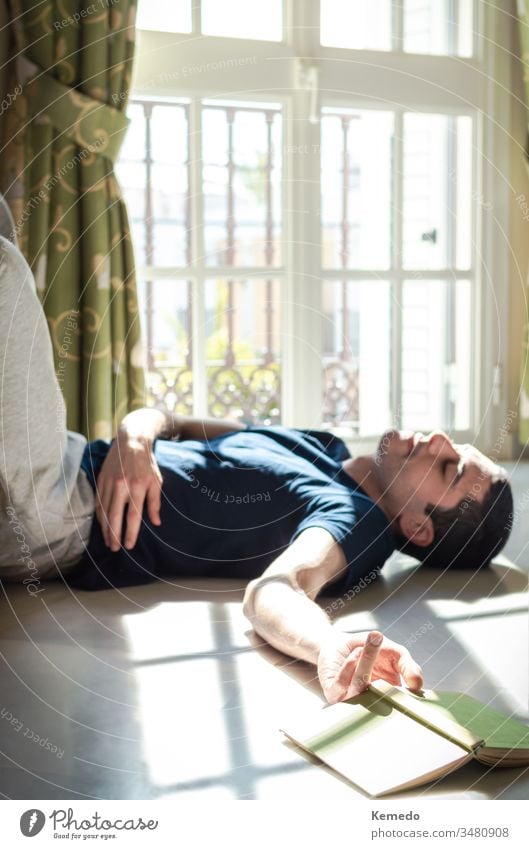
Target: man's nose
440,443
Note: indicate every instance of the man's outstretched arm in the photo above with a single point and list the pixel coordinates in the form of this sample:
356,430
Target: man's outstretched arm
150,423
280,605
130,476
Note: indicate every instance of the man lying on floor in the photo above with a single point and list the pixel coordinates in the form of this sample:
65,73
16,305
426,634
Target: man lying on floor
174,496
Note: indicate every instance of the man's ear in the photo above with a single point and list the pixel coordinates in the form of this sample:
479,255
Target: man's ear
417,529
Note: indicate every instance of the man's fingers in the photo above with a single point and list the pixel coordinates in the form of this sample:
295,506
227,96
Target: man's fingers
104,491
115,515
346,671
134,514
110,509
410,670
99,509
355,673
366,662
154,502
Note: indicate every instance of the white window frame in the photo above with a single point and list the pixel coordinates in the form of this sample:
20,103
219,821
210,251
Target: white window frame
183,65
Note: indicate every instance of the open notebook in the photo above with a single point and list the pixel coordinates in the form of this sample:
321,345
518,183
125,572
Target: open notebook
389,739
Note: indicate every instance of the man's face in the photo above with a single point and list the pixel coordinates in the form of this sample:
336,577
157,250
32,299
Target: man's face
413,470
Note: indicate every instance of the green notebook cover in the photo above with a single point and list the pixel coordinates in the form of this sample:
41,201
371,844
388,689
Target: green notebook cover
388,738
434,707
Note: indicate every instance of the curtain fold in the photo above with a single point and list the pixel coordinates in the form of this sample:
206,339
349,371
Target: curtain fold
523,9
72,62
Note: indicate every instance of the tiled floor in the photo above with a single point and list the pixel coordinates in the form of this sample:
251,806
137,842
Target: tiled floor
163,691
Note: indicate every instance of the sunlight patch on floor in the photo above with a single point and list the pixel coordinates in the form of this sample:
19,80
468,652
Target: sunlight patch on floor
489,642
168,630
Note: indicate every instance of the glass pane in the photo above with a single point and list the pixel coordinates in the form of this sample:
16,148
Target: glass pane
463,181
169,184
139,241
437,191
356,188
165,308
131,176
169,214
153,173
243,19
134,144
361,24
214,137
436,354
464,44
355,314
242,184
430,26
243,349
428,195
169,240
169,134
166,17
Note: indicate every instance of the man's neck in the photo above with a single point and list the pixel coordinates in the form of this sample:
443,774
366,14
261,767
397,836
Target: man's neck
361,469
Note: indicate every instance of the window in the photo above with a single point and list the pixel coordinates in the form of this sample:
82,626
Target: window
161,15
243,18
219,293
442,27
308,229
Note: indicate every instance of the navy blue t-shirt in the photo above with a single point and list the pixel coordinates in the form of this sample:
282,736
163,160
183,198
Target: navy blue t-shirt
232,504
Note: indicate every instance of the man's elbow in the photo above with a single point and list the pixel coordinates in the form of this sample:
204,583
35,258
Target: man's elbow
275,588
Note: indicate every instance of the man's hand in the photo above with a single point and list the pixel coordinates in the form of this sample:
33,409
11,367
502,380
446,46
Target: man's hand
129,476
347,662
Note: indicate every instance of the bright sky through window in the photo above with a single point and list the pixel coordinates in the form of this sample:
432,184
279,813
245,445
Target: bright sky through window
243,19
163,16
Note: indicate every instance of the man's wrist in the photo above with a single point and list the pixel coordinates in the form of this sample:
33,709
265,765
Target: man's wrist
328,638
132,439
334,639
141,427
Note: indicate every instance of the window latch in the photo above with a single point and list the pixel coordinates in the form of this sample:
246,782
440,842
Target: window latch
430,236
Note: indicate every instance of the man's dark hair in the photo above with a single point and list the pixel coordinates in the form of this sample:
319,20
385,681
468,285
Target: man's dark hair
469,535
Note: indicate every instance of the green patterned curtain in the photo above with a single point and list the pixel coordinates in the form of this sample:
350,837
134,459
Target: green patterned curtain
523,6
69,83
